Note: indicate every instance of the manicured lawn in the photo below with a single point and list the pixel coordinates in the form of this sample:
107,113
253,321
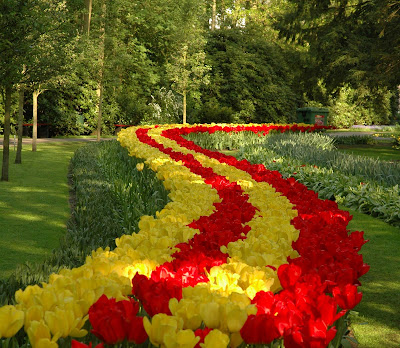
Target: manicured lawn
382,151
34,204
378,322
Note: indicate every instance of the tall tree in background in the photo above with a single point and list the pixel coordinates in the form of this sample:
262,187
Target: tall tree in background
100,90
87,16
21,92
186,68
352,41
16,39
51,53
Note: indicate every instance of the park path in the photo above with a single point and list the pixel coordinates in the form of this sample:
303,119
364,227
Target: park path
28,141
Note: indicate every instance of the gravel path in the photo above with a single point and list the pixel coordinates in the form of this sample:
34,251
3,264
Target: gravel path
28,141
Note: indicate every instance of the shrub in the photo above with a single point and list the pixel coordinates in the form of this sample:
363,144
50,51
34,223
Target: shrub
319,150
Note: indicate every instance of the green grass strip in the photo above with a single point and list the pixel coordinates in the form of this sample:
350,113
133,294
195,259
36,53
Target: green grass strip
378,321
383,152
34,205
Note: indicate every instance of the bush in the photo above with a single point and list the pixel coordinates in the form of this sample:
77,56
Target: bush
359,106
355,140
318,149
165,108
249,77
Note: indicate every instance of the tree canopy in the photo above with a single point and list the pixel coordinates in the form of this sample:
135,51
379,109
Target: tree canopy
246,60
351,41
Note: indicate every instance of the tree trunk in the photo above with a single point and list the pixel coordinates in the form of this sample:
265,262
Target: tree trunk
34,127
214,15
99,115
6,141
87,17
101,72
18,156
398,94
184,107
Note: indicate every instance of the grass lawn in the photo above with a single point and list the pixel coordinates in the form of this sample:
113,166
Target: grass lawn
378,321
382,151
34,204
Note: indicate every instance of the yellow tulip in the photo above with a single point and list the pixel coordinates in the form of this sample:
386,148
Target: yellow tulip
27,297
39,334
236,318
215,339
188,311
160,326
34,313
11,321
236,340
181,339
46,343
210,314
140,166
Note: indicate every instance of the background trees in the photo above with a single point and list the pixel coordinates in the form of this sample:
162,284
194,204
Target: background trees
350,44
29,32
262,59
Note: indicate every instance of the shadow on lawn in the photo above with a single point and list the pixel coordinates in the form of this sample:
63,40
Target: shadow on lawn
381,285
31,226
34,205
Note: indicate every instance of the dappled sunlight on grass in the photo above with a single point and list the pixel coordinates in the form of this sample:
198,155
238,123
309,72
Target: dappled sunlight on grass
26,189
34,204
24,248
379,316
382,307
26,217
383,152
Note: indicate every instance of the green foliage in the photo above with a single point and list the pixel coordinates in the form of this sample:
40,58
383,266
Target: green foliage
165,108
249,76
185,66
13,111
130,74
110,196
396,144
69,111
225,141
319,150
211,111
355,139
359,106
349,41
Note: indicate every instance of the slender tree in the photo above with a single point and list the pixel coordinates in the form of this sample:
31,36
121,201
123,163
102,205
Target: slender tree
18,156
214,15
100,90
35,94
87,16
16,39
6,141
186,67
